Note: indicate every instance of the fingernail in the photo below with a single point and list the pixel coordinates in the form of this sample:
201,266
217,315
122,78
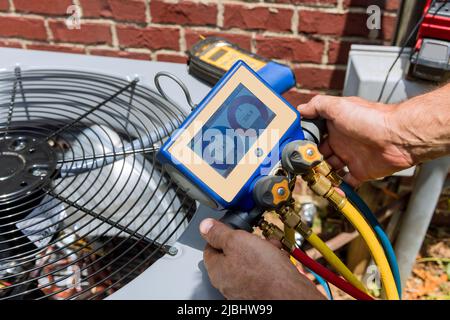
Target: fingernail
338,190
206,225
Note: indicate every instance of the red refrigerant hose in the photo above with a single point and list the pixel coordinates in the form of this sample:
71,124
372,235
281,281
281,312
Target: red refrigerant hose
329,276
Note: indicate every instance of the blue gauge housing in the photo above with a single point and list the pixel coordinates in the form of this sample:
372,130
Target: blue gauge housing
248,94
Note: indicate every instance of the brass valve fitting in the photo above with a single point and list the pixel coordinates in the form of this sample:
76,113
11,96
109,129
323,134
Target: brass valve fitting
302,157
322,186
325,169
271,231
294,221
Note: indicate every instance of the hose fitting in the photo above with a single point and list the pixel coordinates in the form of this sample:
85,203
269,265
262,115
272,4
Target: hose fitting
271,231
323,187
294,221
302,157
325,169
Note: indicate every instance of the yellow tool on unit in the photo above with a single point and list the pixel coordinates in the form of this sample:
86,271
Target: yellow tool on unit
212,57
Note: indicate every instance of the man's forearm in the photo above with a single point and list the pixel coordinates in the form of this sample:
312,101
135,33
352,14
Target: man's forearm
421,125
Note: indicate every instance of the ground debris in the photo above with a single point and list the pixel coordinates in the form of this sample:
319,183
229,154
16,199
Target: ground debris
431,272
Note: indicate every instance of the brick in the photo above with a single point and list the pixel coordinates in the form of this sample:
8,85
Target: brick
10,44
152,38
326,3
348,24
168,57
331,23
120,54
183,13
338,52
388,24
58,48
89,33
96,9
4,5
48,7
122,10
193,36
315,78
291,49
27,28
295,97
261,18
389,5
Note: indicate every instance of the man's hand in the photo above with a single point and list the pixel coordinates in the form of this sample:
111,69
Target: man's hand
361,135
243,266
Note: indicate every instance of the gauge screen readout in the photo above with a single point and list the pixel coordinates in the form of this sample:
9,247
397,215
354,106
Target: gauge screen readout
232,130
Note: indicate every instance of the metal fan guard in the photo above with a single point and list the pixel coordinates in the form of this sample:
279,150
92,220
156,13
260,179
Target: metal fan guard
84,205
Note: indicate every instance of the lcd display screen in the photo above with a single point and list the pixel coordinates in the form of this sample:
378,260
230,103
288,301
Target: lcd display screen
232,130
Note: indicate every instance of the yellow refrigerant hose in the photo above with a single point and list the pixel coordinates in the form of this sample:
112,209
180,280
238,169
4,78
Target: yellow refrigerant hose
334,261
360,224
298,156
328,254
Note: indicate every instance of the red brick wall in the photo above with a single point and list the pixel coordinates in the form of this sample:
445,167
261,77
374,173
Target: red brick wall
312,36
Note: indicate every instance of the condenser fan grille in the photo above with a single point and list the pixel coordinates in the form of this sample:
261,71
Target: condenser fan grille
84,205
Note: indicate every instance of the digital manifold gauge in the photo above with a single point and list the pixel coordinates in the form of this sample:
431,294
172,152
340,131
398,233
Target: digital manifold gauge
212,57
233,138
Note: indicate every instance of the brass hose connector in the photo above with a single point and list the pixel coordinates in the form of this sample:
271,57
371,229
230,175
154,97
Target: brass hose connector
335,179
326,170
271,231
323,187
323,168
302,157
293,220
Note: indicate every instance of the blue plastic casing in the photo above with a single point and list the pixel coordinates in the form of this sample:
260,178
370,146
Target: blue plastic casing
243,199
278,76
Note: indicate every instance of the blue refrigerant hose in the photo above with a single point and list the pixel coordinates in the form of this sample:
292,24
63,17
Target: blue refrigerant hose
323,283
370,217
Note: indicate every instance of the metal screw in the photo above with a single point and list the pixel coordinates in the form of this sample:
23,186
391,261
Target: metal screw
172,251
38,172
19,145
51,143
310,152
281,191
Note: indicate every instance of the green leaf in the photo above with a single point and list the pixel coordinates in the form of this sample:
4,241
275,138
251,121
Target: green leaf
448,270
